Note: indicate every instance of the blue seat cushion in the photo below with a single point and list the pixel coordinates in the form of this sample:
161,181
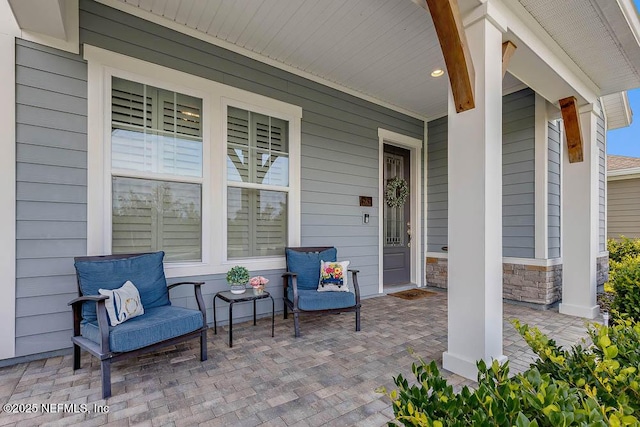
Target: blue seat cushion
311,299
155,325
146,272
307,266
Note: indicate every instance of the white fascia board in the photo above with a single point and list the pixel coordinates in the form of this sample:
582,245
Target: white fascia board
538,54
617,110
618,174
628,112
630,14
172,25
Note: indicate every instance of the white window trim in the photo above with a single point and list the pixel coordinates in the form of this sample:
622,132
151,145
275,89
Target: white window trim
8,32
229,102
102,65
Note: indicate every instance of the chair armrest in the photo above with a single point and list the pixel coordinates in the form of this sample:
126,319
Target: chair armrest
84,298
198,294
294,285
356,288
101,314
173,285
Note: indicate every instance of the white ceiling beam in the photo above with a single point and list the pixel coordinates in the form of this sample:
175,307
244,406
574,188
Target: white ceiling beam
41,16
540,62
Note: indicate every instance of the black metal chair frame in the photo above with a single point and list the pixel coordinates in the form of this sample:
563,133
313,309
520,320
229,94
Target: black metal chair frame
102,350
293,305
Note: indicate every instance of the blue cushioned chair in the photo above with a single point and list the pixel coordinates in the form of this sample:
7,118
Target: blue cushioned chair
301,283
161,324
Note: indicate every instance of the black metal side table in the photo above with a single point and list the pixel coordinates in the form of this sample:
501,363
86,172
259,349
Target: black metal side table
245,297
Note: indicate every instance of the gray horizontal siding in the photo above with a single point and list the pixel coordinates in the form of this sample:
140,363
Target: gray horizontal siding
51,193
339,131
339,163
602,182
623,211
518,176
518,165
553,215
437,185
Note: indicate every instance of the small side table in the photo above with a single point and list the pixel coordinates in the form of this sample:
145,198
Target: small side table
245,297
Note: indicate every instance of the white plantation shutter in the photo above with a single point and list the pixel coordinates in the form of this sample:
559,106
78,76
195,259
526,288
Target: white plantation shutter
156,215
127,105
271,223
238,223
270,136
134,216
181,114
257,153
181,230
163,135
155,131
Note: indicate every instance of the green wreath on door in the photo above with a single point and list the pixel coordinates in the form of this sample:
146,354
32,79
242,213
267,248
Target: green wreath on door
396,192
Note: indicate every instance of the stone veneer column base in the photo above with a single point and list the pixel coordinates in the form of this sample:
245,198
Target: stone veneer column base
602,271
437,272
535,285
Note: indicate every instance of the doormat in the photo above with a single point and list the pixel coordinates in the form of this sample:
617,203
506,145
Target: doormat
412,294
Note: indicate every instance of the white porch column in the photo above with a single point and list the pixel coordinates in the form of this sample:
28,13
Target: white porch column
475,208
580,224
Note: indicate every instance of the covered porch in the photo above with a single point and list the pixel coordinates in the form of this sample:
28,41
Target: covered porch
495,176
328,377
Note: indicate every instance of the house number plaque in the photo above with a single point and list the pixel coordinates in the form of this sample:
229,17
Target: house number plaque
366,201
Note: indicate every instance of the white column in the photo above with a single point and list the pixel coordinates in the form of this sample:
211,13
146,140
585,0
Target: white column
475,210
580,224
8,32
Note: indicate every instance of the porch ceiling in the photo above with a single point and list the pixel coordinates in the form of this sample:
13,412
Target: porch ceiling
385,49
596,36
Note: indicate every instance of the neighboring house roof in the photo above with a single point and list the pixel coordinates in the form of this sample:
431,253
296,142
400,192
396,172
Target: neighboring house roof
622,166
622,162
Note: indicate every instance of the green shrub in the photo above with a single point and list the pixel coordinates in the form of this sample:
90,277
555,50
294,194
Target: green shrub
608,369
598,386
623,248
626,286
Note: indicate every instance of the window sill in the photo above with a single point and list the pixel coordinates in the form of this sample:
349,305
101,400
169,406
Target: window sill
177,270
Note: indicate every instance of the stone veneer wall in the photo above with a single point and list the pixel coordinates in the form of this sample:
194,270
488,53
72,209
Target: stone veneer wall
539,285
535,284
602,271
437,272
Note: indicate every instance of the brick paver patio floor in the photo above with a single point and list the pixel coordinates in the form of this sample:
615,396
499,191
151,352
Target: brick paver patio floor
326,377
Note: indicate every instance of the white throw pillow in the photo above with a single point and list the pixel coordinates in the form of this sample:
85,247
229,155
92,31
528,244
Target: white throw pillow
333,276
123,303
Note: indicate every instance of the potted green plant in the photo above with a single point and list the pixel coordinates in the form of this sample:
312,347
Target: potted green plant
237,278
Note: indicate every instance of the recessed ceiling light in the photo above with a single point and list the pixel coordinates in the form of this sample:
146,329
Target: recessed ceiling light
437,72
